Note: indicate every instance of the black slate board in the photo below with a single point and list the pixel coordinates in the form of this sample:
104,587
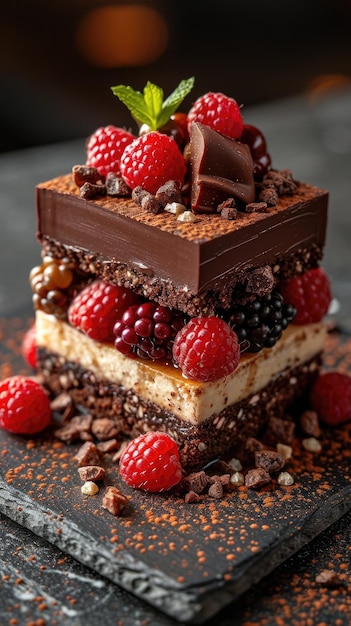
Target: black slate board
186,560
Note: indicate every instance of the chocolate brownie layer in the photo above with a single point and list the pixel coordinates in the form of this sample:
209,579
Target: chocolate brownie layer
198,444
190,266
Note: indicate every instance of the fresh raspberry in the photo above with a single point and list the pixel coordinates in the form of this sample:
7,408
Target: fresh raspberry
151,462
151,160
309,293
331,397
24,406
105,148
218,112
29,346
96,309
148,331
206,349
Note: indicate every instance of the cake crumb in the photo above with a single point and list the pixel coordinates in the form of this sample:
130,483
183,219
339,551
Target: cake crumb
311,444
285,479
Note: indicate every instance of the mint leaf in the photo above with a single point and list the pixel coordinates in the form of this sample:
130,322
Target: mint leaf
173,101
149,107
153,98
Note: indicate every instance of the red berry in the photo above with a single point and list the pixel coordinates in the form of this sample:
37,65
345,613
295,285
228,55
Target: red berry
148,330
151,462
206,349
218,112
96,309
310,294
24,406
331,397
152,160
29,346
105,148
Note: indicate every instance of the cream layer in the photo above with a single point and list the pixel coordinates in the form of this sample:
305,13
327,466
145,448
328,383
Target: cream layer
164,385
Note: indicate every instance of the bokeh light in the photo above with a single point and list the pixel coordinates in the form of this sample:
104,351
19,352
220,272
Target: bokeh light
122,36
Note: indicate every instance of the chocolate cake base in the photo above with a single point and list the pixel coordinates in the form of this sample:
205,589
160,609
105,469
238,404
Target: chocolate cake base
131,415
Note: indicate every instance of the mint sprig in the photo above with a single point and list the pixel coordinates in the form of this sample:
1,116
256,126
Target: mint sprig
150,107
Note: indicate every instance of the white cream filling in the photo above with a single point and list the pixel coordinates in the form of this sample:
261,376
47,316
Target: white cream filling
165,386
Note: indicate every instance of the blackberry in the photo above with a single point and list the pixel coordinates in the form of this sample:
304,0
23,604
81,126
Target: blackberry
53,283
260,323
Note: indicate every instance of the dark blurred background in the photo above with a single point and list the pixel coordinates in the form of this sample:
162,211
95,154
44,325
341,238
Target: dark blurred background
59,58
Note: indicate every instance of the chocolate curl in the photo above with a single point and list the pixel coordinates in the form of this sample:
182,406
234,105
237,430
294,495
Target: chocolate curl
220,168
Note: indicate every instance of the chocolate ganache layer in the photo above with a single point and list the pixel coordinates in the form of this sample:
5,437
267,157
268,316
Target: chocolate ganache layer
195,258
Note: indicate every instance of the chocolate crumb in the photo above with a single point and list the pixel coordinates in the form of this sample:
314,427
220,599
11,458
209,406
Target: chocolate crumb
138,194
87,454
279,431
150,204
256,207
114,501
89,190
169,192
310,424
256,478
108,446
191,496
85,174
104,429
91,472
196,481
216,490
269,196
269,460
329,578
116,186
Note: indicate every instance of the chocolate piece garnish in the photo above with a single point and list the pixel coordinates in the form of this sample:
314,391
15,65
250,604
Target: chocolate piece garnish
169,192
116,186
89,190
220,168
85,174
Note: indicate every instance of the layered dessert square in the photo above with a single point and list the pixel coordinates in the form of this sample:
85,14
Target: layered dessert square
180,288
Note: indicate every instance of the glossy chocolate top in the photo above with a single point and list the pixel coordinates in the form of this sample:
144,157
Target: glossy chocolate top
194,256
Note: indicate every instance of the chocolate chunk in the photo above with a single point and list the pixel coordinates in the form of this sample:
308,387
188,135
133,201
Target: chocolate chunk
256,207
150,204
87,454
228,209
75,429
114,501
281,180
85,174
196,481
310,424
116,186
279,431
169,192
104,428
260,281
138,194
191,496
89,191
216,490
256,478
269,196
108,446
270,460
91,472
